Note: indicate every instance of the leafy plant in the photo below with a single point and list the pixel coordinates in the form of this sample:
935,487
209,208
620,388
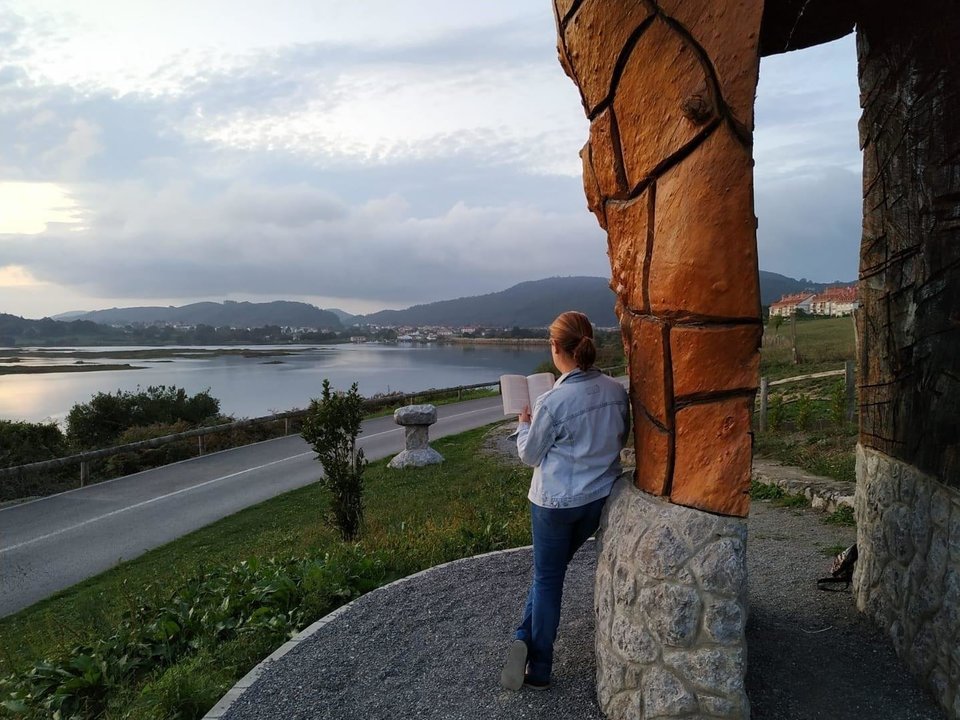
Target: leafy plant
331,427
776,412
843,515
838,402
804,410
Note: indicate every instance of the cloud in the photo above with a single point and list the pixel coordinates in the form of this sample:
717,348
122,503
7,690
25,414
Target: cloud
810,225
394,165
298,241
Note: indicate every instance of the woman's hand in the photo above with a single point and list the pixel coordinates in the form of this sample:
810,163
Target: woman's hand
524,416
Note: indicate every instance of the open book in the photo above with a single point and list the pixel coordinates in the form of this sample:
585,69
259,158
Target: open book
518,391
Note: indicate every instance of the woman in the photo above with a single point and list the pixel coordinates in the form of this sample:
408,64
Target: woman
573,442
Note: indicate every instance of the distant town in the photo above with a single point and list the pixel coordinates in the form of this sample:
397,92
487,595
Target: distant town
832,302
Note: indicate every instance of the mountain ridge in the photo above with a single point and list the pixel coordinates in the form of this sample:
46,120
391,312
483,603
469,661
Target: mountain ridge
533,303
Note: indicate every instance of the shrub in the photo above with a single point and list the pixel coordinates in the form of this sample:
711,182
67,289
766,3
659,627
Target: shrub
101,421
331,427
22,443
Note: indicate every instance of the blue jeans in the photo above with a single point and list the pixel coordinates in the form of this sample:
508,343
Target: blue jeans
557,534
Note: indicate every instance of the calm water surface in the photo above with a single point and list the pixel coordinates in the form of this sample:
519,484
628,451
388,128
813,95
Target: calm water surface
249,387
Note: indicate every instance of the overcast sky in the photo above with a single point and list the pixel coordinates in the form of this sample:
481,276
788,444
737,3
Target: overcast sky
354,154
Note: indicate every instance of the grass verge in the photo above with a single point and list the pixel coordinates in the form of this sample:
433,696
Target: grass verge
294,565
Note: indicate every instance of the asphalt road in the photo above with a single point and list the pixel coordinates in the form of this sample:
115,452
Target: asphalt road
52,543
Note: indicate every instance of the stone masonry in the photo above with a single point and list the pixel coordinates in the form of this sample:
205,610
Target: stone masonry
668,87
671,610
908,575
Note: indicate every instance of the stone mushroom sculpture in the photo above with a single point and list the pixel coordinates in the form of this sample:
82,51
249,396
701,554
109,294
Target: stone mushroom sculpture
417,419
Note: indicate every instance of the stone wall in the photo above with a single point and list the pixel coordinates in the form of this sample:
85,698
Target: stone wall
671,610
908,575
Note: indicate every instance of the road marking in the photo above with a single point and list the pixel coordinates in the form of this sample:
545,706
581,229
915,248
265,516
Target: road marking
199,485
147,502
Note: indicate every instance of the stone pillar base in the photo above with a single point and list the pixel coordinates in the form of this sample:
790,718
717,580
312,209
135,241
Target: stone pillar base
671,602
416,458
908,572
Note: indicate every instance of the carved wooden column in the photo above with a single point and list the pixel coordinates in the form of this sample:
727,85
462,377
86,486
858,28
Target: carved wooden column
669,90
908,464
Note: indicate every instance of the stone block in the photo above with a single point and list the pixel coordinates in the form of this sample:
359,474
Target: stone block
627,239
673,613
707,359
899,522
713,456
653,452
591,188
716,670
415,415
634,643
953,534
562,7
721,567
664,695
595,39
703,204
661,552
605,155
729,34
648,371
662,73
723,622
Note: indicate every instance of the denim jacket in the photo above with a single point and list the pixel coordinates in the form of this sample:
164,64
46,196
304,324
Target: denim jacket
573,441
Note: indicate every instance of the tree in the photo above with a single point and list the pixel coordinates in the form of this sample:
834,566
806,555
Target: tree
331,427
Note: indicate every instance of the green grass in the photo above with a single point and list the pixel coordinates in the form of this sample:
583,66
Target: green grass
833,550
822,343
415,519
843,515
829,454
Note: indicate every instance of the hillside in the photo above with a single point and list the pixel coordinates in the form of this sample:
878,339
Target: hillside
536,303
226,314
529,304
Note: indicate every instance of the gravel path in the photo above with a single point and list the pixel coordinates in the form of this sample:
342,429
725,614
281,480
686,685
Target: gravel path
432,647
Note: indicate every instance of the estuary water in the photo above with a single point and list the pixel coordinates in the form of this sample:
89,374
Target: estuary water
259,385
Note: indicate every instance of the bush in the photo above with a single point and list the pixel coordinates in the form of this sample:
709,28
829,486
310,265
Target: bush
22,443
331,427
103,420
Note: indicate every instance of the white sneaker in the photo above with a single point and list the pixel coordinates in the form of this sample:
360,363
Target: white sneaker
511,677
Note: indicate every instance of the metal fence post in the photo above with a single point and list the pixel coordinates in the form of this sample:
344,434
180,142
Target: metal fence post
286,426
84,472
764,392
199,444
851,390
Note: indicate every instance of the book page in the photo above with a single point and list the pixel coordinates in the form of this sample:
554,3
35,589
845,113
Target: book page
514,393
538,384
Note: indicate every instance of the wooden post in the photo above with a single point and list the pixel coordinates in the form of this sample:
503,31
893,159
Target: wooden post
851,390
84,472
199,444
459,394
764,392
793,336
